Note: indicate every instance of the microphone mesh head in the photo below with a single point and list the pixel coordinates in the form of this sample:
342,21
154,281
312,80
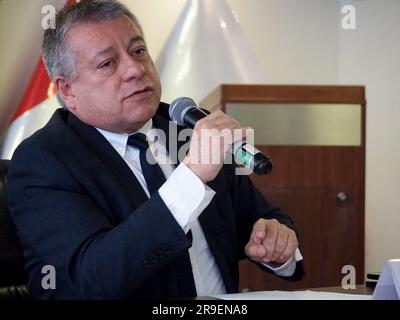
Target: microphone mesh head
179,107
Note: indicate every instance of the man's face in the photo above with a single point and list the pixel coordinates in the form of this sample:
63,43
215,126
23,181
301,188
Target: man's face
116,87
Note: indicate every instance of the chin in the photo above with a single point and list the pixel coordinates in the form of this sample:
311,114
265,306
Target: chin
143,115
142,112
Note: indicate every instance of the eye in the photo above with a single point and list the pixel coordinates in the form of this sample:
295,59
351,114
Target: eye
139,51
105,64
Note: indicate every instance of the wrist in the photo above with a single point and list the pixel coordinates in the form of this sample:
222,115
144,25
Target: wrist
195,168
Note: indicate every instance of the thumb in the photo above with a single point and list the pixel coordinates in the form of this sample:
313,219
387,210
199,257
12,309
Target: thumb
259,228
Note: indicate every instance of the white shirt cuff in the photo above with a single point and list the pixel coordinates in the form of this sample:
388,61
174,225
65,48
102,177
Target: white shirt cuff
185,195
286,269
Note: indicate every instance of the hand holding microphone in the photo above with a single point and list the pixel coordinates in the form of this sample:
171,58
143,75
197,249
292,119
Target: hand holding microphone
211,140
214,135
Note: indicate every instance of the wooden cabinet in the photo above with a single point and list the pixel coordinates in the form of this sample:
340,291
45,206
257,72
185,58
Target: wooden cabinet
315,136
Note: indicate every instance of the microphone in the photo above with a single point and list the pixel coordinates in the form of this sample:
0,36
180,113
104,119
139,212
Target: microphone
185,112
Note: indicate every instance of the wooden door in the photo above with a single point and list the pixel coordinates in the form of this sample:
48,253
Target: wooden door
321,188
318,174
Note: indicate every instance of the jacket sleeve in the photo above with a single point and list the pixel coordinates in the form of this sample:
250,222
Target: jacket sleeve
249,206
61,224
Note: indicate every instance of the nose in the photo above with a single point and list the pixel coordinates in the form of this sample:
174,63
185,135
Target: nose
132,69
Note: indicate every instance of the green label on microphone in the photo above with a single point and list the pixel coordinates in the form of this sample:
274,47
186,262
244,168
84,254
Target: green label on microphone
244,157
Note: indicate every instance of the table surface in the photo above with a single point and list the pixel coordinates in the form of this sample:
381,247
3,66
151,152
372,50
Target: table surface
360,289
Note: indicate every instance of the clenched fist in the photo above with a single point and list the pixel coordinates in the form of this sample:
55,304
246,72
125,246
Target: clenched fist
271,241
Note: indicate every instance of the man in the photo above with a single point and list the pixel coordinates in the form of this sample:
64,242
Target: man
80,192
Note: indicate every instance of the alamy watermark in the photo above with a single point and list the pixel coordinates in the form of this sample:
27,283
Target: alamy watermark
49,278
349,280
349,17
209,146
348,21
49,18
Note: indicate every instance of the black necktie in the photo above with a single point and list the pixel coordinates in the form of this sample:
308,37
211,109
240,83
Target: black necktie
151,170
181,268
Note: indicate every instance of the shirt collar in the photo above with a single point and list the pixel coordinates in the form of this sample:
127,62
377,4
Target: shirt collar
119,140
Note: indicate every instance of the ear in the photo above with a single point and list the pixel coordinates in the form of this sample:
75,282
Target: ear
64,90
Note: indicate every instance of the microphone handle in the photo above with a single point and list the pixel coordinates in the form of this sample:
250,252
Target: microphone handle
252,158
192,116
244,153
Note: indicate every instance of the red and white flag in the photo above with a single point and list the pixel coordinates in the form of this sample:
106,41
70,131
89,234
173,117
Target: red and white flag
34,111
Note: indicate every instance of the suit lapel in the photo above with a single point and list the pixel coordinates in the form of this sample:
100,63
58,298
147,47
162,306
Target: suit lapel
111,160
104,151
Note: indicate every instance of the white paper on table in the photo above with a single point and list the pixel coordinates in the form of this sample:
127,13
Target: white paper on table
293,295
388,286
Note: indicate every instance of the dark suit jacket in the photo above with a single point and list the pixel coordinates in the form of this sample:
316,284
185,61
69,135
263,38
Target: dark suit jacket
79,208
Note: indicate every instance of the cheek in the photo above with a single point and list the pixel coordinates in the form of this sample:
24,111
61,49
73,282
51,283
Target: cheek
90,104
157,84
153,75
83,98
98,96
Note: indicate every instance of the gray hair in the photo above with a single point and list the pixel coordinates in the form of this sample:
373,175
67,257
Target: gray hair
57,55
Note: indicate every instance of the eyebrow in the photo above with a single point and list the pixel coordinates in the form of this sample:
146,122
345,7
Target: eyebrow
135,39
110,49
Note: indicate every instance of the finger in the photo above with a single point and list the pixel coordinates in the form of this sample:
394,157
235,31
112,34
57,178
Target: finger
212,120
255,251
240,134
211,116
221,115
259,228
270,238
255,239
290,248
257,234
224,118
221,120
229,137
226,125
281,242
226,131
222,125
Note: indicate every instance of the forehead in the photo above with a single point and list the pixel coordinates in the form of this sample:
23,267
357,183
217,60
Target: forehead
93,36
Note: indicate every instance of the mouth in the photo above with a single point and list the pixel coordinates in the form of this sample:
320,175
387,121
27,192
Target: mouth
139,94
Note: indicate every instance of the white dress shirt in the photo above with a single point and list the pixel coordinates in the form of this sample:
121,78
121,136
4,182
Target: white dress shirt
186,196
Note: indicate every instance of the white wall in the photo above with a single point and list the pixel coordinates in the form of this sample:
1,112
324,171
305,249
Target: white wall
370,55
20,36
298,42
295,41
157,18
